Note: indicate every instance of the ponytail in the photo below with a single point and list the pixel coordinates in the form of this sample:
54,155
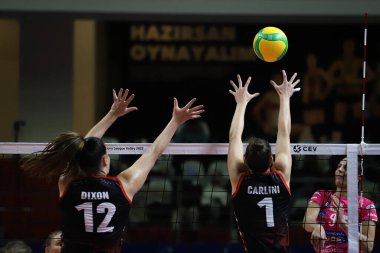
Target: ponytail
58,157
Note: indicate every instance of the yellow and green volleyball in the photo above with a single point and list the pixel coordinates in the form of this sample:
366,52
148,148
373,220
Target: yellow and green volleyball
270,44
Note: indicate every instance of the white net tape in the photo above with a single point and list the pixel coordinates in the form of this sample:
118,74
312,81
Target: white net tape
199,148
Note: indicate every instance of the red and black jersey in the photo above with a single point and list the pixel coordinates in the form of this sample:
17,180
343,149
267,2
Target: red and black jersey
94,213
261,203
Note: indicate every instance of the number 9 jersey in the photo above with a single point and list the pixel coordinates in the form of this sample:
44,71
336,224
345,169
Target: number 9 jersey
94,215
261,203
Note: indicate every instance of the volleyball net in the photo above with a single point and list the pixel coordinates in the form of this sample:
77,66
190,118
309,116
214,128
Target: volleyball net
186,197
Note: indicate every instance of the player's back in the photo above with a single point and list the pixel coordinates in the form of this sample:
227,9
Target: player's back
94,212
261,203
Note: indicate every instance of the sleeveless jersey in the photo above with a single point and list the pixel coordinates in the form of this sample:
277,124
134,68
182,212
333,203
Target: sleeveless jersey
336,237
94,213
261,203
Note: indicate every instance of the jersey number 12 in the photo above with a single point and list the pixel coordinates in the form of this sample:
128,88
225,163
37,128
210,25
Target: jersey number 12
89,216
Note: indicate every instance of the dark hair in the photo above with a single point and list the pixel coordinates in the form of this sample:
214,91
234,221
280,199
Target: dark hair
258,154
90,156
70,154
336,159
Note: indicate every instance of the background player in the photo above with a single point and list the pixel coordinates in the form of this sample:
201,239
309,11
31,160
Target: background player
326,217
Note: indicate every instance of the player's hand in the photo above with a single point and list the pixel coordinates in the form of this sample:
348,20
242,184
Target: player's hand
287,88
121,102
181,115
240,91
318,238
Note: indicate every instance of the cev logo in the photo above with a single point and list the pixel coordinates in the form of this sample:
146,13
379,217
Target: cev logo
299,148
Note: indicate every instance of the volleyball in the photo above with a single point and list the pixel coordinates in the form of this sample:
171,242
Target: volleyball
270,44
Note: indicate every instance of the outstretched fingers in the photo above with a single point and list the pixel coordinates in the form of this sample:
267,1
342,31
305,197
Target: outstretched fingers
194,111
294,83
284,76
291,81
292,78
196,108
121,101
125,95
175,101
287,87
196,114
187,112
114,95
233,85
190,103
247,82
130,98
239,81
120,96
240,91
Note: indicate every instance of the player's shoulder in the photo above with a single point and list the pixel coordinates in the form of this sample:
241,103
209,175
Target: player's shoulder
322,193
367,202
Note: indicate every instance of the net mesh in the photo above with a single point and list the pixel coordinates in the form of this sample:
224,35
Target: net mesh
186,197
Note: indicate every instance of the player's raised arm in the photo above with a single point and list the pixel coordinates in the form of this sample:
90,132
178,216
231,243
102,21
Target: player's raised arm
283,159
134,177
235,158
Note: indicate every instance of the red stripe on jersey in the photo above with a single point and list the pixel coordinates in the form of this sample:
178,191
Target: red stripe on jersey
283,180
120,184
239,183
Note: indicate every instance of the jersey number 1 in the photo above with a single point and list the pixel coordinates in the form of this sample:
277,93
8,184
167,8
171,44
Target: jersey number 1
268,203
89,216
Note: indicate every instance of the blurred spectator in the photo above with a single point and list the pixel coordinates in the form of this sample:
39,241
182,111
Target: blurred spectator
53,243
16,246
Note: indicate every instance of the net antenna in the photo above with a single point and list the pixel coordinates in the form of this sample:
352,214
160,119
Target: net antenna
362,142
363,145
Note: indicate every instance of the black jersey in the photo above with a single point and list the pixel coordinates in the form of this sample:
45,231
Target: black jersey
94,214
261,202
